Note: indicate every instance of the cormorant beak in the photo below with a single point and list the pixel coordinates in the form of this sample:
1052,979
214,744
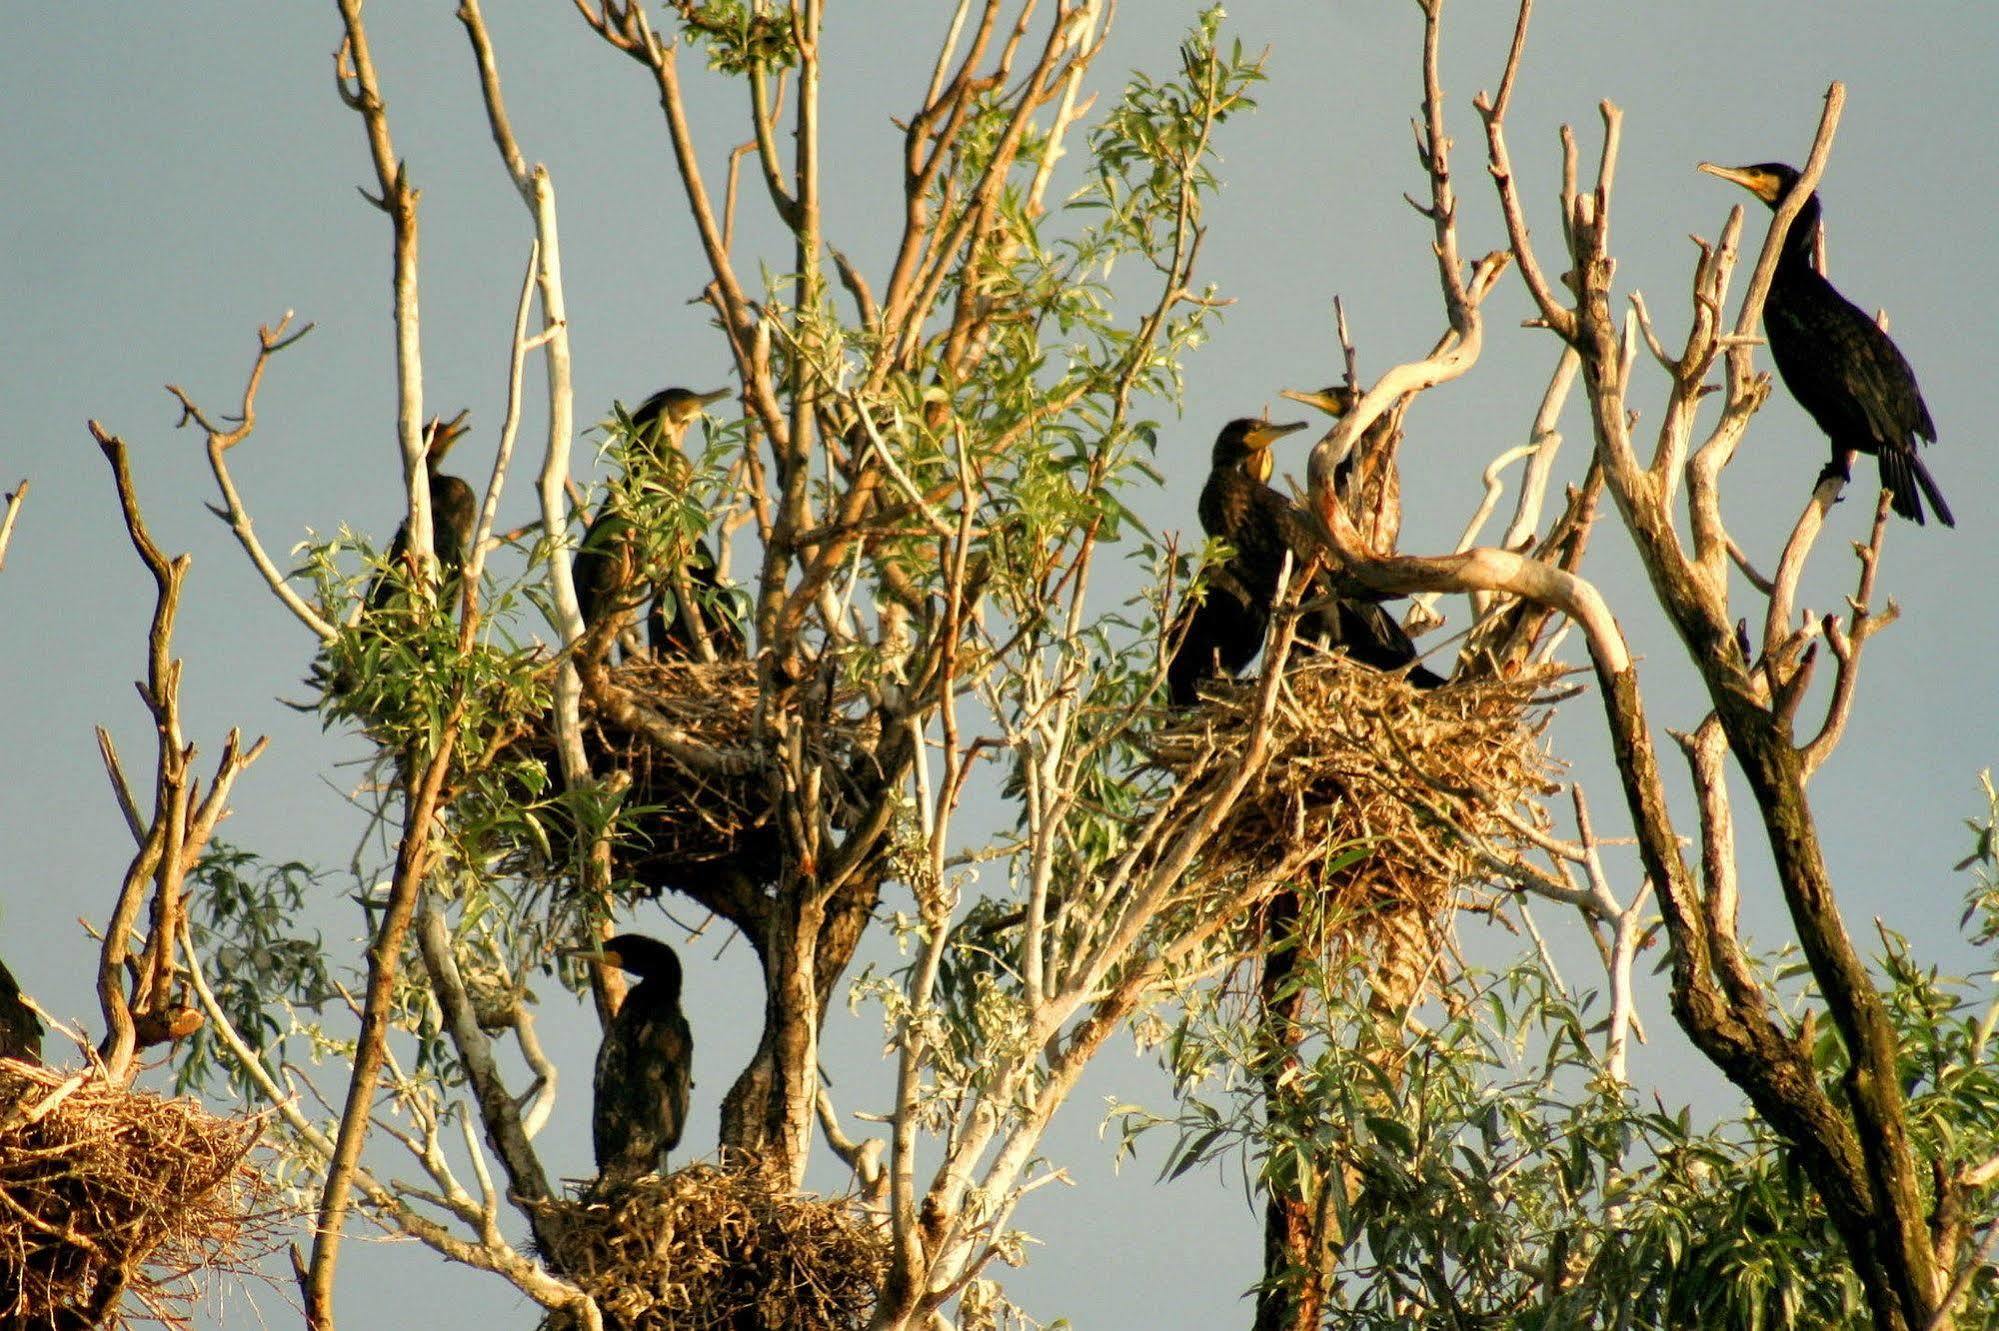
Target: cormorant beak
1267,433
595,952
1760,183
695,403
1259,440
1334,401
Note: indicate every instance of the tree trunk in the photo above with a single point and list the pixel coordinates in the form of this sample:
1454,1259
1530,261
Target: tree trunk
1293,1290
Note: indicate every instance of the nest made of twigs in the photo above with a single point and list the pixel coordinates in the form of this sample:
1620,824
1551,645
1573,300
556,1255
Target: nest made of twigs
713,1249
701,794
1358,759
107,1192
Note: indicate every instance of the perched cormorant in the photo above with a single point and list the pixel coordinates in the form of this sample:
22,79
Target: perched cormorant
644,1065
1837,362
1226,630
607,567
1219,634
454,513
20,1028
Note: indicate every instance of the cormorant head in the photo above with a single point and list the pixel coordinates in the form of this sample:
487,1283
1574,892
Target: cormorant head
1336,400
672,410
1246,442
647,958
1768,181
440,434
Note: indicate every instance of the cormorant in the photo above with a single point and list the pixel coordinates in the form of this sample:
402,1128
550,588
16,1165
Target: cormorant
1225,631
1218,634
607,568
1838,364
454,513
20,1029
643,1066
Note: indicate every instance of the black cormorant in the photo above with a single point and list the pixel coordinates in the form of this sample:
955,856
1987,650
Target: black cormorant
1219,634
1837,362
20,1029
1223,632
607,567
1226,630
454,513
644,1064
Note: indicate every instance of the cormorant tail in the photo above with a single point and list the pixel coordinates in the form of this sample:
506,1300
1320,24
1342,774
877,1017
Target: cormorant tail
1903,472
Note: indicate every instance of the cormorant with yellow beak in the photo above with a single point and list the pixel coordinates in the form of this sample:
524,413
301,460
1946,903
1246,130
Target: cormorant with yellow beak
1224,632
1842,369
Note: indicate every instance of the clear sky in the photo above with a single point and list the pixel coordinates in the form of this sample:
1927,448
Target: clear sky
179,174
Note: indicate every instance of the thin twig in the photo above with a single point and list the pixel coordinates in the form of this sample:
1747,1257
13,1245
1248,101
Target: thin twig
14,501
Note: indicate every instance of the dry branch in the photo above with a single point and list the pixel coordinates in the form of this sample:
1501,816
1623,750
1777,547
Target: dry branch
15,498
183,819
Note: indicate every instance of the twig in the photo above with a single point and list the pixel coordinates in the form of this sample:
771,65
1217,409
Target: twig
1847,642
355,81
14,501
271,339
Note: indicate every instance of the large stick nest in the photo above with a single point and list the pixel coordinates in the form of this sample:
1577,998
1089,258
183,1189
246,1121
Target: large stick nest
701,798
111,1198
1420,783
713,1249
699,787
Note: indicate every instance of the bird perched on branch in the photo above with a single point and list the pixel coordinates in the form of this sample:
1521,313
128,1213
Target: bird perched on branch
1838,364
644,1065
454,513
1224,632
610,568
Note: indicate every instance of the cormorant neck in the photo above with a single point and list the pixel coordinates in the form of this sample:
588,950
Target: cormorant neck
1801,242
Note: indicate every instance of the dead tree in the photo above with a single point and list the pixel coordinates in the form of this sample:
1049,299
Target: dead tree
1852,1144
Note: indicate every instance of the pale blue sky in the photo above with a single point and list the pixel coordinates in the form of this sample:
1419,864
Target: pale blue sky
181,173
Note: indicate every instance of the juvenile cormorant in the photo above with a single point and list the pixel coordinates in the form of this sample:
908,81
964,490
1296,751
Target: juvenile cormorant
454,513
644,1065
607,567
1837,362
1226,630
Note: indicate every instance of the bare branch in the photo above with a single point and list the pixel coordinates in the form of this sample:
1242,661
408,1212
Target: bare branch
1547,442
355,68
385,952
121,789
525,1178
1847,641
14,501
271,339
1493,113
1777,627
528,1275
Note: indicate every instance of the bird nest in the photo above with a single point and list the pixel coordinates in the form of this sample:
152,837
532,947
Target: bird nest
683,733
1392,796
713,1249
686,735
112,1197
